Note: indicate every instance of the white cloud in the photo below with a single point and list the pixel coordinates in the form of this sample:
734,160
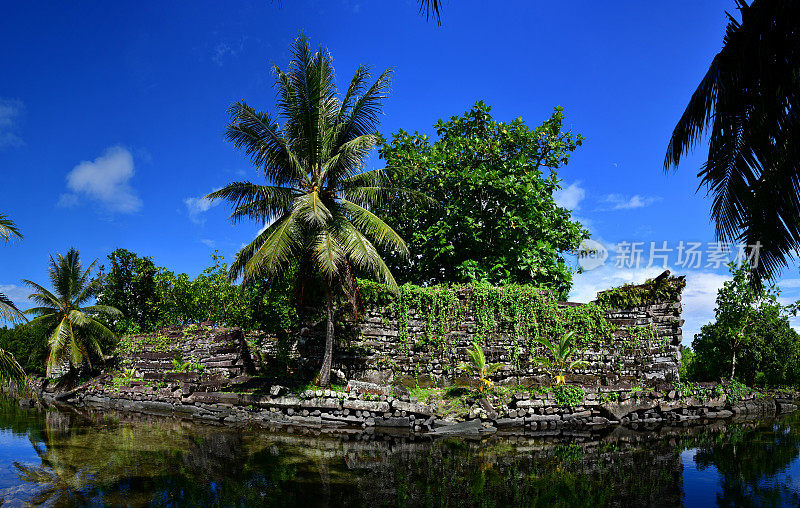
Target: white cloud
196,206
208,243
699,297
17,294
10,110
571,196
105,180
620,202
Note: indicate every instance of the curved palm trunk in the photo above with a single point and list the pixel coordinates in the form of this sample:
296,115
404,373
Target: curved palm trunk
327,360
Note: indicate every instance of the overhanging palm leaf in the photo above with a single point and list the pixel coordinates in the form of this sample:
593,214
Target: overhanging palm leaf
10,370
73,328
318,197
748,103
8,311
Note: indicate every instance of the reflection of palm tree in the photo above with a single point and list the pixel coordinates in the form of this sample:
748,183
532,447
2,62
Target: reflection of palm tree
62,485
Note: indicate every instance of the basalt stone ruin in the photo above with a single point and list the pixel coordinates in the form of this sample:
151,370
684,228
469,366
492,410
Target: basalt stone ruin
211,373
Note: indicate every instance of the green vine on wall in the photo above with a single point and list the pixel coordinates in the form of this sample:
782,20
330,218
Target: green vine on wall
524,312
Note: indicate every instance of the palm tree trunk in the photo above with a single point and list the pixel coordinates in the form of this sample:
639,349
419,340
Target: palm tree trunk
325,373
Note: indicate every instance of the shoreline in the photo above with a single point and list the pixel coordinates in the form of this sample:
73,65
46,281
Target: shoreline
362,409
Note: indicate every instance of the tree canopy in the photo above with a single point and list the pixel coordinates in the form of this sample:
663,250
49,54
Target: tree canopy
750,340
494,217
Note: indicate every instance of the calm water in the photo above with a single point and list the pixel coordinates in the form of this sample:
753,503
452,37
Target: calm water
67,459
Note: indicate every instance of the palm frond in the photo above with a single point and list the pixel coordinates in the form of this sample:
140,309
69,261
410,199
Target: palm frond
259,136
274,249
9,311
372,225
8,229
255,202
10,369
431,9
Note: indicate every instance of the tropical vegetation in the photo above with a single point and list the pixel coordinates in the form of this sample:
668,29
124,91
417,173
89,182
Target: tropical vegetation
74,331
316,204
479,367
559,361
10,369
151,297
493,217
750,340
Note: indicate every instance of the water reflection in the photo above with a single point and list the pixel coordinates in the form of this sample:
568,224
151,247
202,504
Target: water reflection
76,459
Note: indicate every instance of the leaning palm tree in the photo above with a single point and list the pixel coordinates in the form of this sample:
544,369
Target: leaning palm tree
74,331
748,104
318,198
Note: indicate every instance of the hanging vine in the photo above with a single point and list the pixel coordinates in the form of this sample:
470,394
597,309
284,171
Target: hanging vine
522,313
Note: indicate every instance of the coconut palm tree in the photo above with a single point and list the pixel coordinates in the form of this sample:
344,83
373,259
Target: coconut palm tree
318,198
748,105
74,331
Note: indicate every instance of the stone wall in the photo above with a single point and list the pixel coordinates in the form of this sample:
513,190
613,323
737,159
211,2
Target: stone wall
644,349
222,352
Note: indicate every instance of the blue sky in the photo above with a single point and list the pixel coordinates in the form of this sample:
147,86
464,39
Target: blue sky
111,115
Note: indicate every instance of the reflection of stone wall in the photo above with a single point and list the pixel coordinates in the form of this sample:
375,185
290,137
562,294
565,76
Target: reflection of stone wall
645,349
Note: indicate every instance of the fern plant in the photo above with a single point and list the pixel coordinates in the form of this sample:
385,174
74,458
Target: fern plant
478,367
178,366
559,363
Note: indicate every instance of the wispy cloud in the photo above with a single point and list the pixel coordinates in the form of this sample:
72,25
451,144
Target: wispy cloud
208,243
571,196
10,111
197,206
17,294
105,180
620,202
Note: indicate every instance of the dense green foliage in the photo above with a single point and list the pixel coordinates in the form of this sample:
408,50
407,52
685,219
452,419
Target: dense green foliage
494,217
750,340
152,297
28,344
747,107
75,332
